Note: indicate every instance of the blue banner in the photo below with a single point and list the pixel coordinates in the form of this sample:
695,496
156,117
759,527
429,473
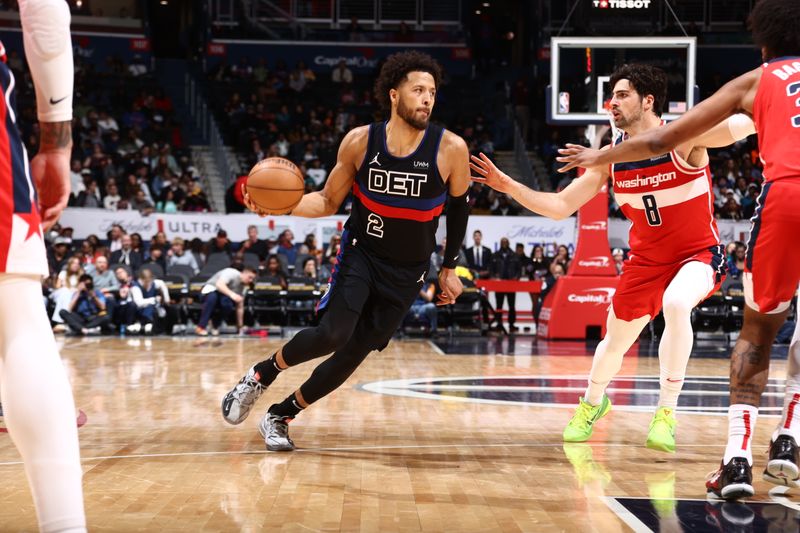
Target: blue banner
323,57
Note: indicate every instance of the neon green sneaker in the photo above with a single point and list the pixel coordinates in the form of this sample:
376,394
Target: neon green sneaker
661,435
580,427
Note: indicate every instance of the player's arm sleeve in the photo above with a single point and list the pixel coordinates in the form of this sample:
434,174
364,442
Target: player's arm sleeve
457,216
732,129
741,126
48,49
458,203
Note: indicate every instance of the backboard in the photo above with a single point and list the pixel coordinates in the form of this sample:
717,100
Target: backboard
580,68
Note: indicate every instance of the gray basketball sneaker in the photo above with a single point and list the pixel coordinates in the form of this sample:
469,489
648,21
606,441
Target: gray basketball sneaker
237,403
275,430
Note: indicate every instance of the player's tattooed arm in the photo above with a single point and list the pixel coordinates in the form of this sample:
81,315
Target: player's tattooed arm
55,136
50,169
749,372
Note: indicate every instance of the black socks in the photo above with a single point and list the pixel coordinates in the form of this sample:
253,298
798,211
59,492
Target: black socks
288,408
267,370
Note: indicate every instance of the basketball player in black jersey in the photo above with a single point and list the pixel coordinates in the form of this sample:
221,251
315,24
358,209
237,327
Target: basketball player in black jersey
400,173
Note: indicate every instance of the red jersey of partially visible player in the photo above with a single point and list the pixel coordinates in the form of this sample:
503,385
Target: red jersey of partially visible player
776,112
21,244
670,205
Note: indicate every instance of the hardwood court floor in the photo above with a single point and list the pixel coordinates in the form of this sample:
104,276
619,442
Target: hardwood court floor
447,456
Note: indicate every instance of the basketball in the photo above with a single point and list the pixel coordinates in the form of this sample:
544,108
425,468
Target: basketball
275,185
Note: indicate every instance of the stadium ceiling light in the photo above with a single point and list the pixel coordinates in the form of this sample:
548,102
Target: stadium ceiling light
477,11
164,2
486,4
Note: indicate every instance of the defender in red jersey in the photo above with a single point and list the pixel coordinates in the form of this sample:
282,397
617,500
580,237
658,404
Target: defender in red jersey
676,258
771,95
33,193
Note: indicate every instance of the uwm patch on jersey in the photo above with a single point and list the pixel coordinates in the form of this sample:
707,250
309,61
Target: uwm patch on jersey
670,205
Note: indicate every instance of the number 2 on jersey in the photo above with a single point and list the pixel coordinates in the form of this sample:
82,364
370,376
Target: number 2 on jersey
793,89
651,210
375,225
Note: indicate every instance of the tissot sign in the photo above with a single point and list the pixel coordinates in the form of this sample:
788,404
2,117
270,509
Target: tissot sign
621,4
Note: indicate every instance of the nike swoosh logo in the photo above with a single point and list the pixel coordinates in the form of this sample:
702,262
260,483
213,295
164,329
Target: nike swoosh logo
54,102
226,406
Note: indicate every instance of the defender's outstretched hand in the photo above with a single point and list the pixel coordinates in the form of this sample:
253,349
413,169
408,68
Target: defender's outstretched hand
575,155
492,176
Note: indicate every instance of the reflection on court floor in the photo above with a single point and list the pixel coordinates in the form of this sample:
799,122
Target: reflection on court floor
703,516
700,395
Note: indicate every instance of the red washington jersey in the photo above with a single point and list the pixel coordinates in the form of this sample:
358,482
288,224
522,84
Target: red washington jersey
21,244
670,206
776,112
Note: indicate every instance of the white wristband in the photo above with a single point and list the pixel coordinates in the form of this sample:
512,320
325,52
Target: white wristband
48,49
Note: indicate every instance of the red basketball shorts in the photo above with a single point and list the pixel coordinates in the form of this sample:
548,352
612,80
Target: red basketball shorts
641,286
772,263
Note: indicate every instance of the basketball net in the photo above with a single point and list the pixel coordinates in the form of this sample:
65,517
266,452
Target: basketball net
592,271
596,132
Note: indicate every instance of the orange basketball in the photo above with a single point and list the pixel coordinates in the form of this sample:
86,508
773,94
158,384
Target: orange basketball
275,185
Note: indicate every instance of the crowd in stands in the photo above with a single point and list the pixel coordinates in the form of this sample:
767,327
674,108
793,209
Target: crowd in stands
124,283
272,109
128,150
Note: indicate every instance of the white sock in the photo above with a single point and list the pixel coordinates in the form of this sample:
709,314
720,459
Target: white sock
620,335
689,286
790,421
38,406
741,427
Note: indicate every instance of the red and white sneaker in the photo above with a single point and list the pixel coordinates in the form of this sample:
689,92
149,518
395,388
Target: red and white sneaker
784,458
732,481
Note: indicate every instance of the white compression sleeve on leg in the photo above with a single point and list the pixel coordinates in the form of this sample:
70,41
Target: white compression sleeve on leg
689,286
620,336
48,49
38,406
